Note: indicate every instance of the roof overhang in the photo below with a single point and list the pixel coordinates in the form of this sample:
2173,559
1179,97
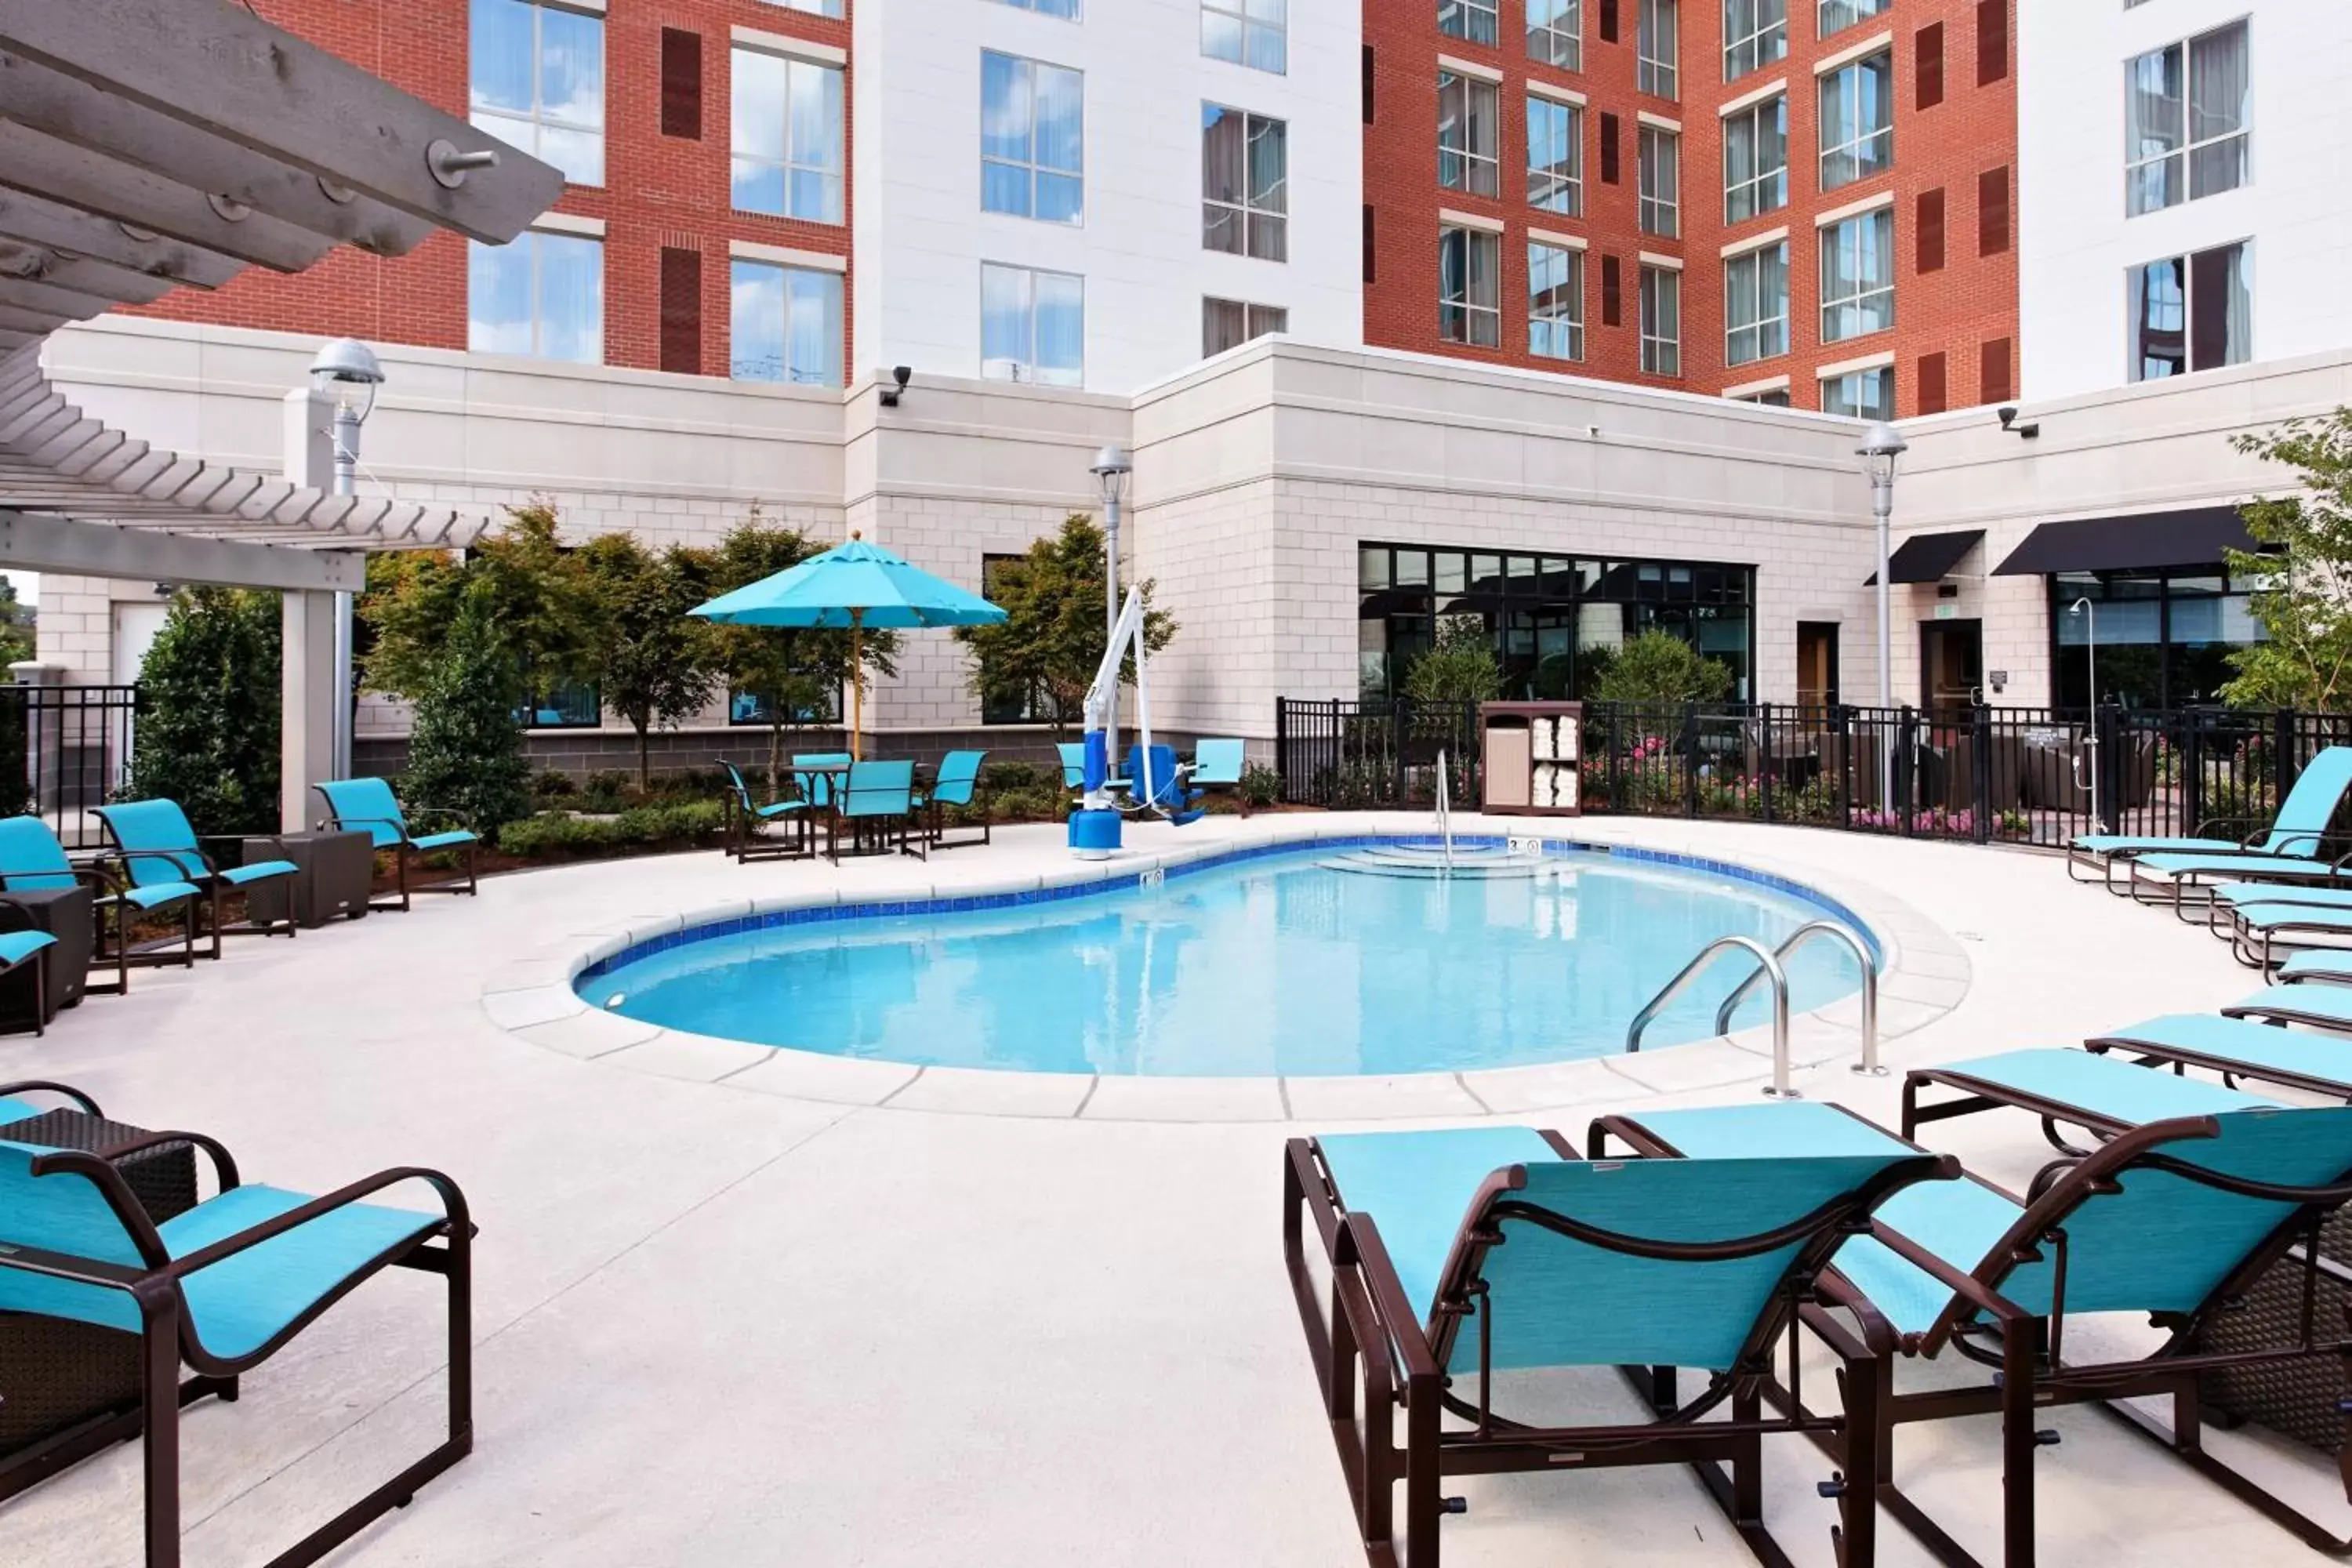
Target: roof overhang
2195,536
1929,557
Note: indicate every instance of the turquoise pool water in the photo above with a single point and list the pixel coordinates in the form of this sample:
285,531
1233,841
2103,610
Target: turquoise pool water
1270,965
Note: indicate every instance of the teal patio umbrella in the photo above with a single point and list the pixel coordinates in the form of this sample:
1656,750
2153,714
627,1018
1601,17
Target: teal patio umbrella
855,586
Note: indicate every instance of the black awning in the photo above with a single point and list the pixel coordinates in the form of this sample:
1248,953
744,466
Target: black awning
2199,536
1928,557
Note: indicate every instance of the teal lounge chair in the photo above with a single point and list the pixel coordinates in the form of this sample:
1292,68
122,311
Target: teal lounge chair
1455,1256
2171,1219
32,860
2331,965
2314,1007
1217,765
221,1287
2259,933
369,806
746,816
156,848
958,778
2298,828
877,806
2238,1047
16,1104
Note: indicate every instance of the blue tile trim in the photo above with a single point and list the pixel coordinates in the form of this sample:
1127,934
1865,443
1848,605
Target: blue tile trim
1122,882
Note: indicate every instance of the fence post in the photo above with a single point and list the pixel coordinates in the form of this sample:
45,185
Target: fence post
1616,794
1906,763
1281,745
2190,763
1764,760
1841,726
1396,744
2107,724
2284,765
1980,818
1690,758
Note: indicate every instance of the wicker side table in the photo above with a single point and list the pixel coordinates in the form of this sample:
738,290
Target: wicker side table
2298,1399
56,1377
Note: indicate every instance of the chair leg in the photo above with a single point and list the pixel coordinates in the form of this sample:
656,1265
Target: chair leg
41,994
2018,1343
160,1403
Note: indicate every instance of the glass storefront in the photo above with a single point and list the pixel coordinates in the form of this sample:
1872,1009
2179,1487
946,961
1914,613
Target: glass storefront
1548,614
2163,637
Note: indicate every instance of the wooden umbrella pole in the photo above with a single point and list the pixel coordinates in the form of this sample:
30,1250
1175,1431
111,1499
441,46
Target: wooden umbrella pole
857,686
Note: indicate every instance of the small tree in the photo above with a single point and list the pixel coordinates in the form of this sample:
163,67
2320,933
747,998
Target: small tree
16,636
465,748
1051,641
208,723
795,673
652,659
1461,667
2303,600
1659,667
534,594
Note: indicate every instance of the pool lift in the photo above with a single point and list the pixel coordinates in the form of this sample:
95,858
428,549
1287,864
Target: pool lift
1159,789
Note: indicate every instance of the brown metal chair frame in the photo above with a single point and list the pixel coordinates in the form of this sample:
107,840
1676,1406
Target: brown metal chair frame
1371,1341
168,1339
210,884
405,851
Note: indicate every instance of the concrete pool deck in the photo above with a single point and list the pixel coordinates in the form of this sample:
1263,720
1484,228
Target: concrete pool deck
731,1323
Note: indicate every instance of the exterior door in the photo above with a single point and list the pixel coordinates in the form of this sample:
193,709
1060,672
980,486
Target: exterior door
1951,666
1817,664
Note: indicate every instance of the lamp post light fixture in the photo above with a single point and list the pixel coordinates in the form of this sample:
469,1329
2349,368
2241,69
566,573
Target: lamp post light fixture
1111,467
345,369
1881,445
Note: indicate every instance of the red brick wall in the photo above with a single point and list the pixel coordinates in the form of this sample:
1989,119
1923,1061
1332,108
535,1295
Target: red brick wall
1969,302
658,190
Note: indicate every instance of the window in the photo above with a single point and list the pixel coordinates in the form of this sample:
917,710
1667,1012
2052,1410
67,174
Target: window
1031,139
1033,326
813,7
1065,9
1771,397
1660,181
1756,160
812,695
1857,120
1252,33
1657,46
538,83
2185,111
681,84
785,324
787,137
1662,321
1756,304
1858,276
1836,15
1244,180
1471,19
1229,323
2192,313
1555,33
1469,287
1555,156
681,311
2165,635
542,296
564,705
1861,394
1755,34
1555,302
1467,158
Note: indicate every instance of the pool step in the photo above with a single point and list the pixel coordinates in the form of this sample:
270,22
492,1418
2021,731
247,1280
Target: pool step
1429,861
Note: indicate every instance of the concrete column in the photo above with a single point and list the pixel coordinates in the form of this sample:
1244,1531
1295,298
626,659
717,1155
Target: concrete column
307,705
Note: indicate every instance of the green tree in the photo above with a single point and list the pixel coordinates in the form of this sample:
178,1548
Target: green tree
207,730
795,673
1461,668
652,659
1659,667
532,592
465,746
2302,597
1051,641
17,634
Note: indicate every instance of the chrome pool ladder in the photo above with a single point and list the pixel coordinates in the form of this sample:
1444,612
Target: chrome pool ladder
1771,970
1445,813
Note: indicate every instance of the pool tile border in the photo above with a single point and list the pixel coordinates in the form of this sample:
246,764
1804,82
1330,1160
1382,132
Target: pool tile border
526,1001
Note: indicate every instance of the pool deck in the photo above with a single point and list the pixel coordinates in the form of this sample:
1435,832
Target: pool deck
731,1312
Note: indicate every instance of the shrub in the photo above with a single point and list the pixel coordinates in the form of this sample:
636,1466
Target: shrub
1261,786
557,832
465,748
1659,667
1461,667
553,782
207,734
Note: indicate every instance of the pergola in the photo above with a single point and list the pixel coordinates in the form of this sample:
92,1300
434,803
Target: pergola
148,145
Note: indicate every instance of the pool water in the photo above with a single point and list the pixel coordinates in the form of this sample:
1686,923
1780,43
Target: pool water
1280,965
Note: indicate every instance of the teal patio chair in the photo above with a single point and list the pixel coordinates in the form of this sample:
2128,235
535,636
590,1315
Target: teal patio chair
24,947
1456,1259
369,806
221,1288
2297,829
2172,1219
746,816
877,804
1217,765
2240,1048
156,848
953,785
15,1105
32,860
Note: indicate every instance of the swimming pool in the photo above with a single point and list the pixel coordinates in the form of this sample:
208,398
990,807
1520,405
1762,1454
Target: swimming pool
1263,963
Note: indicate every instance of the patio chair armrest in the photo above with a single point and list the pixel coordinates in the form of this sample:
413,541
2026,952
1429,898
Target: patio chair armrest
464,819
453,1206
66,1265
2205,828
1395,1313
224,1163
87,1105
1878,1331
173,855
1961,1283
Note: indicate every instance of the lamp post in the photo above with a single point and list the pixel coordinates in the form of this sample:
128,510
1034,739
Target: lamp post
1111,467
2090,614
347,371
1881,445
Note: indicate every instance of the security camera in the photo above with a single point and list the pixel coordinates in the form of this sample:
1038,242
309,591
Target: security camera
901,375
2008,412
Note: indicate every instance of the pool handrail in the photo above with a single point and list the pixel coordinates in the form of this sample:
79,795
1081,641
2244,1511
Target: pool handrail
1444,814
1778,1089
1868,1066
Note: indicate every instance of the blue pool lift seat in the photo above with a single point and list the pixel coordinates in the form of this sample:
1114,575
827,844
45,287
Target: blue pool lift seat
221,1288
369,806
1170,795
32,860
156,846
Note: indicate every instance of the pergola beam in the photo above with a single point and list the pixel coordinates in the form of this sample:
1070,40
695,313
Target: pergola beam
41,166
31,542
82,274
36,220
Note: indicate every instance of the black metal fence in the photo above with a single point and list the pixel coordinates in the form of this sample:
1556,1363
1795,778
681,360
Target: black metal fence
63,750
2024,775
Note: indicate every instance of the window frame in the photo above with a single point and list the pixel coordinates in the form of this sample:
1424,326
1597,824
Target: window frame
1253,327
1257,213
834,306
1660,292
1032,71
1775,180
1030,275
1659,75
1760,325
1561,33
2138,164
537,118
1884,374
529,243
1470,309
1855,148
1075,11
1467,161
1855,11
1549,178
1472,21
1248,28
1560,307
1660,213
1865,297
1762,44
832,177
2133,312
